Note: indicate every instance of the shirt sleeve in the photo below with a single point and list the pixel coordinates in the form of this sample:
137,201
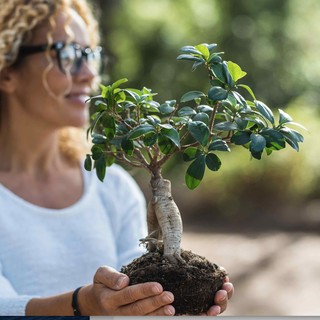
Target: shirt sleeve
133,228
11,304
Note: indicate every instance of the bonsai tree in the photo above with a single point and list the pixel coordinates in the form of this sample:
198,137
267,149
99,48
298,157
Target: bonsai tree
129,126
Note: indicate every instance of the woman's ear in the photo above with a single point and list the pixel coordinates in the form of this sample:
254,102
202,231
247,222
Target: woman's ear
7,80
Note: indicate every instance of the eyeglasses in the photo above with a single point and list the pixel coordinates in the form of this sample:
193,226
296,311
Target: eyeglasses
70,56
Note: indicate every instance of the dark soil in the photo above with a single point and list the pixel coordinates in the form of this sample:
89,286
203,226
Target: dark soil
193,284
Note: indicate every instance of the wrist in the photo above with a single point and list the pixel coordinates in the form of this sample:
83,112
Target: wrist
75,302
86,302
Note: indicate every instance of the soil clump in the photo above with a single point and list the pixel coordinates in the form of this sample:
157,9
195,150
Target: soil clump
193,283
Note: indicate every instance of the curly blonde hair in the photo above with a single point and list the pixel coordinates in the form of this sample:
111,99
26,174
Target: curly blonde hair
18,18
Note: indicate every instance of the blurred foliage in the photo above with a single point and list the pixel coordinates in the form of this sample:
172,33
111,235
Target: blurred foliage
268,38
274,41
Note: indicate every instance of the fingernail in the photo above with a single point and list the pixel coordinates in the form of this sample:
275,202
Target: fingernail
168,298
156,289
169,311
121,281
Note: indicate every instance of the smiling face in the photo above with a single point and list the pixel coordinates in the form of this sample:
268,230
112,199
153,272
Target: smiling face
42,92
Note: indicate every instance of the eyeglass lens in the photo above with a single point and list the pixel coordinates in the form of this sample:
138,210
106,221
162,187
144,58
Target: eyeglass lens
71,58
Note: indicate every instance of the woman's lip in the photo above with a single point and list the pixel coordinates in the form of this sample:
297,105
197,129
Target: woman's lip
78,97
72,94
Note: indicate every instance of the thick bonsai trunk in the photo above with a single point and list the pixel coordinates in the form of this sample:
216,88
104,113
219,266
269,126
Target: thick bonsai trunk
164,220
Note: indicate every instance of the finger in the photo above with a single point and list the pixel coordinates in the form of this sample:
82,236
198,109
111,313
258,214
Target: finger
153,305
221,299
228,286
213,311
137,292
164,311
111,278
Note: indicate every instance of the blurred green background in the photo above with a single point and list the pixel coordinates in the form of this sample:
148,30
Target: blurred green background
277,44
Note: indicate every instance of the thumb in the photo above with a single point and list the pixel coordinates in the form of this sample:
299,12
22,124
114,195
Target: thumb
111,278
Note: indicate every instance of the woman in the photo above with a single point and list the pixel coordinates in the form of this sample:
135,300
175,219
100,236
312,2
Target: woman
58,224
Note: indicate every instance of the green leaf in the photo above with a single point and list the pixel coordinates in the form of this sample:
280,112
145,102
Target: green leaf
204,108
192,95
201,116
135,94
242,123
100,106
204,50
275,139
219,145
127,146
98,138
179,120
226,126
292,137
118,83
213,162
214,58
96,151
235,71
293,133
186,111
150,139
248,89
109,125
199,131
88,163
231,103
105,91
227,74
256,155
189,57
284,117
100,165
259,123
172,134
217,69
239,98
258,142
190,49
191,153
217,93
241,138
264,110
195,172
154,120
166,145
141,130
166,108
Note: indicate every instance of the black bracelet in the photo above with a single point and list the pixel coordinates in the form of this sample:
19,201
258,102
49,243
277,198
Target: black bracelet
75,305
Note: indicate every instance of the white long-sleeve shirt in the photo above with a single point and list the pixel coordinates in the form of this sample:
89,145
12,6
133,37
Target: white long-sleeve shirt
45,251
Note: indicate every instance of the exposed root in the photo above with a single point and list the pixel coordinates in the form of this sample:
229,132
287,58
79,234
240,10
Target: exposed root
152,244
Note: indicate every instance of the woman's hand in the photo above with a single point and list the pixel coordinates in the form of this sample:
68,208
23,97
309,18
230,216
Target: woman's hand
111,294
221,298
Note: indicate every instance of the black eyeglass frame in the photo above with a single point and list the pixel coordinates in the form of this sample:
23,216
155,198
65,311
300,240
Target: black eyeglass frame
57,47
